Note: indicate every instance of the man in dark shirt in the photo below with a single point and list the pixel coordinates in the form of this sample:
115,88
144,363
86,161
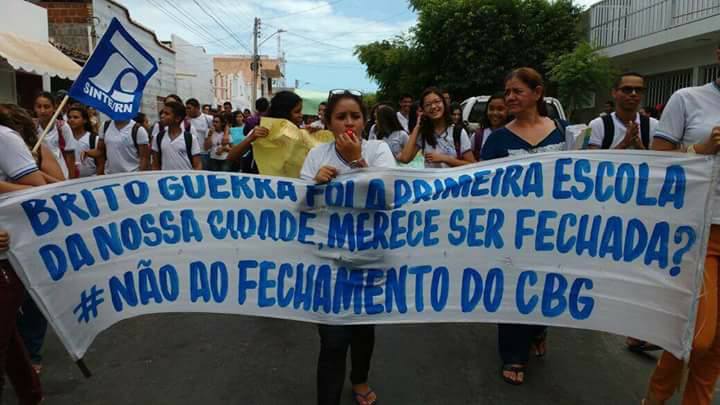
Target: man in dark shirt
262,105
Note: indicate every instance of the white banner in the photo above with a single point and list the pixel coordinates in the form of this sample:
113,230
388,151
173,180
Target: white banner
594,240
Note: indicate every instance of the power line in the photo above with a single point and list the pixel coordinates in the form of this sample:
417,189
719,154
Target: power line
196,29
225,28
305,11
187,15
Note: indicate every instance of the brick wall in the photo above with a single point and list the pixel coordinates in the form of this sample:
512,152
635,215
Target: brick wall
68,21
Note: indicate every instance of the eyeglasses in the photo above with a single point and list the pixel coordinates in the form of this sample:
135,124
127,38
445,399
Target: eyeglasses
433,103
340,92
630,89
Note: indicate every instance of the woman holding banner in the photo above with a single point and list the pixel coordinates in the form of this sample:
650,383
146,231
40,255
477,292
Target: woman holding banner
530,132
690,123
345,116
18,170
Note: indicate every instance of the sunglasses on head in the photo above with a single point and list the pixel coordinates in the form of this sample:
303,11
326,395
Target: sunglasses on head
341,92
630,89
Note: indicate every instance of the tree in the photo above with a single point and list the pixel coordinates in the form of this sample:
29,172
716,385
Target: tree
578,74
468,46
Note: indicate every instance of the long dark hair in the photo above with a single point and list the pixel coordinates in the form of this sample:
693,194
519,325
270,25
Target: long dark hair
427,128
387,121
532,79
336,98
412,117
19,120
47,95
282,104
233,122
88,127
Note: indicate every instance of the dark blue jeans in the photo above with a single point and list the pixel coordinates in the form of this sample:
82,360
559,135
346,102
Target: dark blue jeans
32,326
334,342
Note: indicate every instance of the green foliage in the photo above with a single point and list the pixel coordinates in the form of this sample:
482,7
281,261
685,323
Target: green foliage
578,74
468,46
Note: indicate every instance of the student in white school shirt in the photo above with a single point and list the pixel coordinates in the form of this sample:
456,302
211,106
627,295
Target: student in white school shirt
630,129
175,148
59,138
123,152
201,125
86,141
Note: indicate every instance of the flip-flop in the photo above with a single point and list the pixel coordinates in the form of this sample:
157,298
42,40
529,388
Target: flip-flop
365,396
513,369
538,341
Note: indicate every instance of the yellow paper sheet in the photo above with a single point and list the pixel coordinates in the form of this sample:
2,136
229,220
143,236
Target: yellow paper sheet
283,151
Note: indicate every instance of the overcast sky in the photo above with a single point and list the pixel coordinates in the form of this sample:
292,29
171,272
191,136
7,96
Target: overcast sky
320,38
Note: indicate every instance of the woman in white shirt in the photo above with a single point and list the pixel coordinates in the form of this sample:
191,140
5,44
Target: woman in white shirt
59,138
387,128
345,116
86,141
436,137
217,143
690,123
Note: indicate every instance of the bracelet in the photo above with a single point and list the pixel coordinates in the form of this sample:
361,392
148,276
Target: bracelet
691,149
357,163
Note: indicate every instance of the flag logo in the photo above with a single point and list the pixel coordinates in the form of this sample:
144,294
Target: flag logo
115,75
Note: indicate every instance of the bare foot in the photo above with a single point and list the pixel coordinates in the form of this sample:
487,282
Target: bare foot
363,394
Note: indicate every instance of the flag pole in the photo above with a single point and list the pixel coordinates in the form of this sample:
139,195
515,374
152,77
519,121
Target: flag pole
50,123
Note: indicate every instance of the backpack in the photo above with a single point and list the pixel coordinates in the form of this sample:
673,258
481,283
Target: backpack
61,138
609,131
457,136
188,144
134,133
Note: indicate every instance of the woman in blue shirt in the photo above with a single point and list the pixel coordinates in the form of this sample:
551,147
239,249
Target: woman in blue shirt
530,132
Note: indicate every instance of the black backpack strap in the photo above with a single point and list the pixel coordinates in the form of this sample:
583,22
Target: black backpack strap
608,131
134,133
457,133
106,125
645,130
93,140
158,139
188,145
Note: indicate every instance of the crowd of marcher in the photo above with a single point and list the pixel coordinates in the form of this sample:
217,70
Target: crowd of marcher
431,131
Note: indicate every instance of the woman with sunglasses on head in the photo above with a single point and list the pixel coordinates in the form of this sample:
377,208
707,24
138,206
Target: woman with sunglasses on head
284,105
345,116
530,132
443,144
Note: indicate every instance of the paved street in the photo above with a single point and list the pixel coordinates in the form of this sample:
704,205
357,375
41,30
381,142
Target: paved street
216,359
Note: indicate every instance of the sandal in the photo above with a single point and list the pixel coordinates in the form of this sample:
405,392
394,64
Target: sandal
513,369
539,344
640,346
364,398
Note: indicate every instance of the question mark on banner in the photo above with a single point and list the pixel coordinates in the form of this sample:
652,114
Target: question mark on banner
677,257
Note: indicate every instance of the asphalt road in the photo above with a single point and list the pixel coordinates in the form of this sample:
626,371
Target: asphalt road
218,359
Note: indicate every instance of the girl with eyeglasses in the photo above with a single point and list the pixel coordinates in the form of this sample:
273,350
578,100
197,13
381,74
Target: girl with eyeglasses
345,116
442,143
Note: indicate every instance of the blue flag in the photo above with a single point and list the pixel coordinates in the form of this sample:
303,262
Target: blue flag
115,76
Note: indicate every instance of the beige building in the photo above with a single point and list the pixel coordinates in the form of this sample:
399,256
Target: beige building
233,79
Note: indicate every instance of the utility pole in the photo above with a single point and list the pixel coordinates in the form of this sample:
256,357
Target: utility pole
255,65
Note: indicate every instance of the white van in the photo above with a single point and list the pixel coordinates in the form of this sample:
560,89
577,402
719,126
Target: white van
473,110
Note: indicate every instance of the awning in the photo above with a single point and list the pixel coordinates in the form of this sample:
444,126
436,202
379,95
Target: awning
271,73
36,57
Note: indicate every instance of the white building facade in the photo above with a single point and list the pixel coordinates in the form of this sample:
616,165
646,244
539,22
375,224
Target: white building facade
671,42
194,76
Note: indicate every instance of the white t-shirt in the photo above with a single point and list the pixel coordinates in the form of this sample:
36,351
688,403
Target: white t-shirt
52,141
217,138
689,118
375,153
396,140
598,130
122,156
445,145
86,167
174,152
201,125
403,121
16,160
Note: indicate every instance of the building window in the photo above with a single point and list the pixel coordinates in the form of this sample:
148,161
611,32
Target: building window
709,73
661,87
